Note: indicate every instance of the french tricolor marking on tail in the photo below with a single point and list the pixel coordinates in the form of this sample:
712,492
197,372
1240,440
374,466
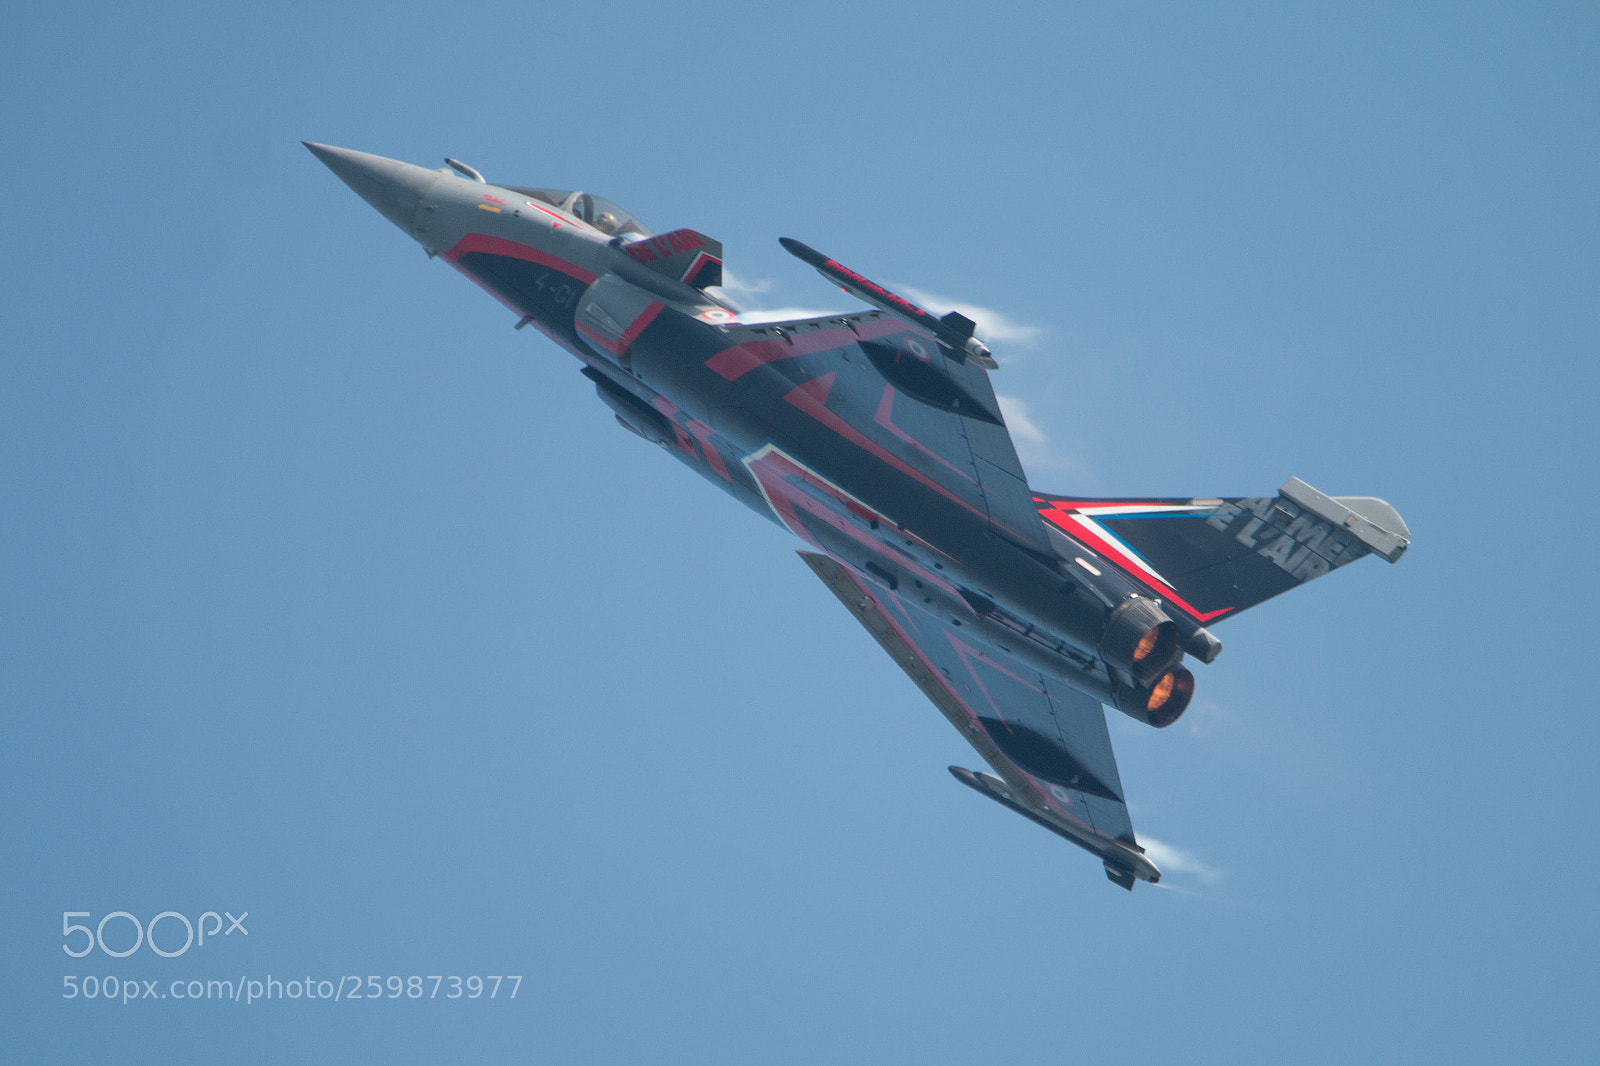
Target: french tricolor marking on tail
1078,520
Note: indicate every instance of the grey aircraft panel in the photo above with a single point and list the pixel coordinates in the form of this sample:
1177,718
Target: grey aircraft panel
1047,741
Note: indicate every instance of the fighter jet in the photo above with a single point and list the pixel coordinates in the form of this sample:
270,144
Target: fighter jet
876,439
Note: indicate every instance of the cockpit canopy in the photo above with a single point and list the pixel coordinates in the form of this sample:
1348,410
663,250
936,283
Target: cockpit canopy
593,210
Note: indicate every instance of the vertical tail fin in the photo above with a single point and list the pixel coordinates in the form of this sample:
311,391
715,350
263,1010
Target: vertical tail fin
1213,558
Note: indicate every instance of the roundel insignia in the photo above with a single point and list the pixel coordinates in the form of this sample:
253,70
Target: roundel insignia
1060,793
918,349
717,314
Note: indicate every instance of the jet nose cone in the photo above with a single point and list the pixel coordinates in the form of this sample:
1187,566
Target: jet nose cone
393,187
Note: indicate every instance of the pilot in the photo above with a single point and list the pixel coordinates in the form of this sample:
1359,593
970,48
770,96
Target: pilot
607,223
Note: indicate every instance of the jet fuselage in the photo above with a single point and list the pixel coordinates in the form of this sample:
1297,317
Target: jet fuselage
877,439
756,409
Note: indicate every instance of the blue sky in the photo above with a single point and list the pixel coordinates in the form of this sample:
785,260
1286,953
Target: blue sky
330,598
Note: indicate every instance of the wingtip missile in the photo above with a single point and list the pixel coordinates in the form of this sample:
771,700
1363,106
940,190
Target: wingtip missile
1124,864
953,331
804,252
